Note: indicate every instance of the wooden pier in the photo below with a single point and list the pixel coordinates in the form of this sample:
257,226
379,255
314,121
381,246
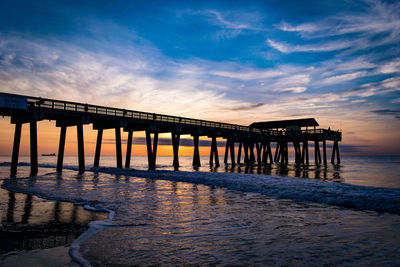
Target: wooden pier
256,141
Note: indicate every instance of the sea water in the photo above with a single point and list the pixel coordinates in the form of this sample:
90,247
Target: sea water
338,215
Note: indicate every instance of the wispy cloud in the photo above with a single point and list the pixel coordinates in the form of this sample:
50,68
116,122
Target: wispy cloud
391,112
320,47
344,77
377,25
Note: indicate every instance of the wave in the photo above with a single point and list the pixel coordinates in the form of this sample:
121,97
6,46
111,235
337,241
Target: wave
299,189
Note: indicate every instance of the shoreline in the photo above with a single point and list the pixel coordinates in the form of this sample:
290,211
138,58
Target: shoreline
36,238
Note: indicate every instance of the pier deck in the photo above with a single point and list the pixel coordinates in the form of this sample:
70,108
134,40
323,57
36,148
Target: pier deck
27,109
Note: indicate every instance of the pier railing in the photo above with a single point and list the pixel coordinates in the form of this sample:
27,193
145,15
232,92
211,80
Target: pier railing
51,104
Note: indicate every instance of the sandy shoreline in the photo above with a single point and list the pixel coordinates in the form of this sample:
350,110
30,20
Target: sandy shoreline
57,256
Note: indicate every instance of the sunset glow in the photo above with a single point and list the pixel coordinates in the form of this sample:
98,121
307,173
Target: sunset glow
231,62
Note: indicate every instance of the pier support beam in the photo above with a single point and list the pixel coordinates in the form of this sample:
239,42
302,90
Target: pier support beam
151,150
61,147
277,153
259,152
297,152
317,153
118,149
324,151
98,147
232,151
239,152
81,149
34,151
227,146
196,153
128,150
15,152
252,157
335,151
283,156
214,152
246,152
305,156
175,147
267,153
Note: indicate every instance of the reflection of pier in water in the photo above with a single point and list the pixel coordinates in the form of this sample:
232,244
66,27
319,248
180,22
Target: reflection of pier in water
31,223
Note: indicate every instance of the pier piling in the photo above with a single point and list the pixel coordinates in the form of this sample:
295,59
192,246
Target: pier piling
196,153
81,149
98,147
34,151
151,150
61,147
118,148
15,152
128,150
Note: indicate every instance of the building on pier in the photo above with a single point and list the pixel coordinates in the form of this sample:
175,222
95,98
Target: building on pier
254,140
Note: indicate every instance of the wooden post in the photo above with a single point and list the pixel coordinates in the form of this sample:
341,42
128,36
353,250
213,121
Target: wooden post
34,152
232,151
264,153
175,148
252,157
81,150
60,156
128,150
269,152
151,150
324,150
259,150
98,148
246,152
118,148
239,152
196,153
305,157
333,153
277,148
228,141
214,152
286,152
15,153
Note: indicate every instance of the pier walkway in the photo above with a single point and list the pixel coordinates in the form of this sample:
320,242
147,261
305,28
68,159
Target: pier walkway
254,140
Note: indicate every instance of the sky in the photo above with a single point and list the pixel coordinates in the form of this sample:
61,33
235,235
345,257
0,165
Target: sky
229,61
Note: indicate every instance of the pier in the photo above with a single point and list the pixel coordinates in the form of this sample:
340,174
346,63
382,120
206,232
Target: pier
255,142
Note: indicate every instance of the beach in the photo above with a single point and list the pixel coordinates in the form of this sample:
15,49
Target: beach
167,217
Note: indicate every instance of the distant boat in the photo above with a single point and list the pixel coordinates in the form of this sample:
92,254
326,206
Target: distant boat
49,155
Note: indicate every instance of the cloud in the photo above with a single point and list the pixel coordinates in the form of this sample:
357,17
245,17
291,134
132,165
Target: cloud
378,17
249,75
247,107
397,100
344,77
391,112
291,90
321,47
232,19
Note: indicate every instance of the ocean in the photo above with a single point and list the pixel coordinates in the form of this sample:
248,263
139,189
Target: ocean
347,215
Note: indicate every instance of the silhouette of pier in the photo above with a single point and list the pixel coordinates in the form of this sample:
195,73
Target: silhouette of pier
255,141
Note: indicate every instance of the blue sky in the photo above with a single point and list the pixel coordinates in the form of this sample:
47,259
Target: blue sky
232,61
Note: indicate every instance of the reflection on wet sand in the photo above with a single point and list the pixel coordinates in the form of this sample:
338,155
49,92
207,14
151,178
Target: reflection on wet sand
32,223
